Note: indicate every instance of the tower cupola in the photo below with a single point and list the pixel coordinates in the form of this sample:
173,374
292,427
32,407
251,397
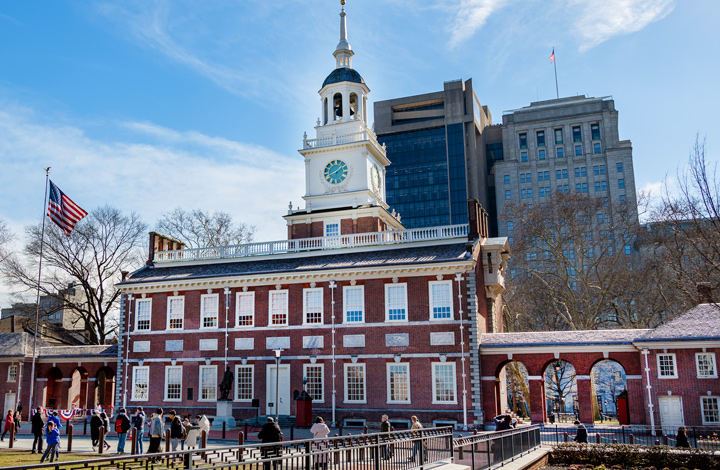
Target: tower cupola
343,52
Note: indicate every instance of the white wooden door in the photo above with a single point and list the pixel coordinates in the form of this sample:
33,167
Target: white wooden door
283,376
10,401
671,414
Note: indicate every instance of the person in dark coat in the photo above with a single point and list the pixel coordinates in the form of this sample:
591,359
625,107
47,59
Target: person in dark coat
682,440
106,425
176,430
139,425
581,436
37,424
270,432
96,423
502,422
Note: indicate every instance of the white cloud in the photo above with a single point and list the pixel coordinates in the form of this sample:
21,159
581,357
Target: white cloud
471,16
600,20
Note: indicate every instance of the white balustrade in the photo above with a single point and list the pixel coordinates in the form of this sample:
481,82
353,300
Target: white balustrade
315,244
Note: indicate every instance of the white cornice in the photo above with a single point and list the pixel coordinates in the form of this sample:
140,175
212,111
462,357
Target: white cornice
590,348
679,344
371,144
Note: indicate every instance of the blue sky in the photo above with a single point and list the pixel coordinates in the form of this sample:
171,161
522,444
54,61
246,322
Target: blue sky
149,105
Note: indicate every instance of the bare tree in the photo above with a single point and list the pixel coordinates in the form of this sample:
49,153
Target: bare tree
5,237
560,382
102,245
199,229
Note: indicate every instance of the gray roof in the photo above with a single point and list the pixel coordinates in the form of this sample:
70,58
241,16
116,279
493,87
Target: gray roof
79,351
701,323
14,344
21,345
289,265
557,338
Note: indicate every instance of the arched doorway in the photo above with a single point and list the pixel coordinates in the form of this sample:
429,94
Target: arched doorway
561,391
104,387
53,396
608,382
77,394
517,389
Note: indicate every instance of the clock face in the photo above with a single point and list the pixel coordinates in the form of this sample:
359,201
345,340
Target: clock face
336,171
375,178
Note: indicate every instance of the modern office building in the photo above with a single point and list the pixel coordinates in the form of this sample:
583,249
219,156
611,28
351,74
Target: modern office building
436,146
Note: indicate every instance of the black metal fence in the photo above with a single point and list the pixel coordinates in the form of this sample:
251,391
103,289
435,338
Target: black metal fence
488,450
703,437
400,450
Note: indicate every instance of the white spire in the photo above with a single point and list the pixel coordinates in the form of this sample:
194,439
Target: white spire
343,52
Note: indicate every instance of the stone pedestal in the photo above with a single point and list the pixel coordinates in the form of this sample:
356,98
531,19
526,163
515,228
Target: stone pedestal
224,415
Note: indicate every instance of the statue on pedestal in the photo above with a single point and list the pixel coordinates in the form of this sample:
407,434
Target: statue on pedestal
226,385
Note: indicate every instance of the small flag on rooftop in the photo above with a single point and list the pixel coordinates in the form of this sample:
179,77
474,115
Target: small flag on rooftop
63,211
552,56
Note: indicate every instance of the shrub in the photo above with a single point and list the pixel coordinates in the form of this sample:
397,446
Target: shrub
624,456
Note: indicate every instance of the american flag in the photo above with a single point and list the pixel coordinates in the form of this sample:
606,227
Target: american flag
63,211
552,56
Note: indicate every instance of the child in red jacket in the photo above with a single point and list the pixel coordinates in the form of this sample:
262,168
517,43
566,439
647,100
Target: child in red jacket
9,424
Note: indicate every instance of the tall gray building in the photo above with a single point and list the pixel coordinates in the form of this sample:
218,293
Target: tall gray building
563,145
436,144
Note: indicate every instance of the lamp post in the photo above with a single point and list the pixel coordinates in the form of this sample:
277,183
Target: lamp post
277,383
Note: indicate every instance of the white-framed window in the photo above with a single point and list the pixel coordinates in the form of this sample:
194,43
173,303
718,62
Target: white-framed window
444,384
667,368
313,306
355,383
143,309
140,383
314,373
209,310
398,382
278,308
441,307
354,304
175,313
706,365
244,382
396,302
173,383
332,228
710,409
245,309
208,383
12,373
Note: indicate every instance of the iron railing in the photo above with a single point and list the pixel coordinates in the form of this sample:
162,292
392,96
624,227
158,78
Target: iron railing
707,437
399,450
488,450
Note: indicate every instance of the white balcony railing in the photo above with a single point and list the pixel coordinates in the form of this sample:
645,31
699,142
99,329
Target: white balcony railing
314,244
365,134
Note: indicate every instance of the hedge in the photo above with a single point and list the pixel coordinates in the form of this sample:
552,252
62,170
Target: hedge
637,456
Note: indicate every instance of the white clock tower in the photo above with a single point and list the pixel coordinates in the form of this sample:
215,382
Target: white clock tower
344,164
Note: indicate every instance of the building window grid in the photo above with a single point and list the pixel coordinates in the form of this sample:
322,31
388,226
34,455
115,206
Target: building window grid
541,154
597,148
209,310
140,383
666,366
245,309
244,382
441,298
558,136
176,313
619,167
595,131
313,306
354,304
560,152
507,179
396,302
508,194
278,308
522,140
143,309
12,373
577,134
710,408
398,382
578,150
444,382
523,156
705,365
355,383
621,183
332,229
173,383
540,138
208,383
314,375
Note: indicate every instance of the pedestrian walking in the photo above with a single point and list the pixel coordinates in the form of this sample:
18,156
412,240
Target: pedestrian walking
270,432
9,424
122,426
156,430
682,440
177,430
581,436
18,419
106,425
96,423
36,426
53,443
385,428
139,425
320,431
418,445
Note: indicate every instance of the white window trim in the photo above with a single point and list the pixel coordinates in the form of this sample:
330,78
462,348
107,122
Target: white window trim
270,307
345,310
167,369
332,222
10,367
200,384
452,304
252,381
345,381
135,369
675,366
137,317
702,414
387,380
167,323
388,286
697,365
435,401
322,382
202,311
322,305
237,308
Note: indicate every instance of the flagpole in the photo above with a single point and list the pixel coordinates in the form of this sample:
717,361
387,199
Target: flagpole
37,305
557,92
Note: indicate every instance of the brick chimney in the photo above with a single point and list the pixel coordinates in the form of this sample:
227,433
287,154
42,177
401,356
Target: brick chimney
159,242
704,291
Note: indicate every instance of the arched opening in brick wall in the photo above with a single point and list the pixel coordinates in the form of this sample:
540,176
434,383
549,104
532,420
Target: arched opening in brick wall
561,391
608,381
105,387
513,389
53,393
77,394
